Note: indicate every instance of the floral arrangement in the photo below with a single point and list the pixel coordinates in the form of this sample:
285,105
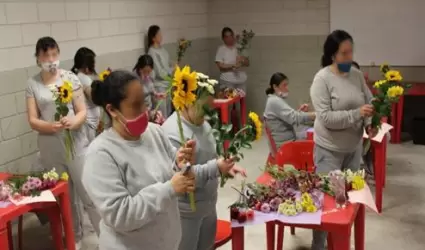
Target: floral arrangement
104,74
183,45
243,41
62,96
101,124
29,185
227,93
353,180
241,139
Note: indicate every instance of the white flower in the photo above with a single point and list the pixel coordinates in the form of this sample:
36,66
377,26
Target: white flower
203,84
201,76
212,81
210,89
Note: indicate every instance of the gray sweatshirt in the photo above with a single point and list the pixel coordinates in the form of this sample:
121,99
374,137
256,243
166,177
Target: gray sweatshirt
206,169
337,100
281,119
162,67
129,183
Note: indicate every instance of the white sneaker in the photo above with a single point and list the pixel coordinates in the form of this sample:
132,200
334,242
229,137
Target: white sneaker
79,246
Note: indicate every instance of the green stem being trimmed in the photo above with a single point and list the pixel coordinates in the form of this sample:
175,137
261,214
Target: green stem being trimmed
182,142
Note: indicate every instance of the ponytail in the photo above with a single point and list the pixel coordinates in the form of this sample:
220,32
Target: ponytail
326,61
74,69
269,91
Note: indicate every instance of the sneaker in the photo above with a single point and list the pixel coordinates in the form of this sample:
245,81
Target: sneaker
79,246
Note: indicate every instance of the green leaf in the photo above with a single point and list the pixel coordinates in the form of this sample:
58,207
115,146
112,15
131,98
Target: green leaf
226,128
57,116
246,145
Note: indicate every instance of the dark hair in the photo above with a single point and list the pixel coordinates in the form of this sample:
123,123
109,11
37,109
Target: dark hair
143,61
275,80
152,32
44,44
331,45
356,65
225,30
112,90
84,58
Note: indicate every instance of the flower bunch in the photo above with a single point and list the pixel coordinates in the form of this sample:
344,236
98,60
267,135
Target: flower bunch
205,83
182,45
243,40
104,74
290,208
353,180
62,96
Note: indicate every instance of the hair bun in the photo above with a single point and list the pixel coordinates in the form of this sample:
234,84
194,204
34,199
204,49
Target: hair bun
97,92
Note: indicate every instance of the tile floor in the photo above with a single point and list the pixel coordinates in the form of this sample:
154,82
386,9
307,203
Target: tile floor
401,226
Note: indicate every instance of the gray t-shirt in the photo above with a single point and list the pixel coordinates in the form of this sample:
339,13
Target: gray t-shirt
162,66
129,184
149,91
228,55
337,100
93,111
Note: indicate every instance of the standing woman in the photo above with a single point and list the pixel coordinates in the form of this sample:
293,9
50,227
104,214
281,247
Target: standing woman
41,111
342,102
162,66
84,68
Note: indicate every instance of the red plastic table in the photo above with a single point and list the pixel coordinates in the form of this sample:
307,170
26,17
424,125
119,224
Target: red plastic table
379,166
59,215
337,222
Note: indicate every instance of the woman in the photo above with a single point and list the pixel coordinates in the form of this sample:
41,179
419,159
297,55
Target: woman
144,69
129,171
41,112
84,68
162,66
281,118
342,102
199,228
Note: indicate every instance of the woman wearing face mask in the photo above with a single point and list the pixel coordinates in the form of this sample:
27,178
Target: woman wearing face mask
129,174
144,69
162,66
342,102
199,227
281,118
84,68
41,111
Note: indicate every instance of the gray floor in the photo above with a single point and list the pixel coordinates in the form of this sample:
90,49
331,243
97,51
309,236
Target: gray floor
400,227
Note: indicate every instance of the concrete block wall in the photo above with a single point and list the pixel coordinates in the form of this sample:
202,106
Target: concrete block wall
114,29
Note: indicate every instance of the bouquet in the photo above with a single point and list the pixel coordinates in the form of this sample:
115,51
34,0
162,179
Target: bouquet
241,139
62,96
29,185
101,124
183,45
243,41
104,74
388,91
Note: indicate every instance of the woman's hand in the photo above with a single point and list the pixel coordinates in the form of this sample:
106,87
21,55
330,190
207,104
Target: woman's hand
367,110
371,132
303,107
186,154
237,170
160,95
56,127
158,117
67,123
183,183
225,165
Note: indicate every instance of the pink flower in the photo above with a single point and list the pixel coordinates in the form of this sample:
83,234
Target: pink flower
265,208
274,203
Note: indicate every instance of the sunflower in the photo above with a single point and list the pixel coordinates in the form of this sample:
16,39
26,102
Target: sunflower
104,74
395,92
185,84
257,124
65,92
379,83
393,75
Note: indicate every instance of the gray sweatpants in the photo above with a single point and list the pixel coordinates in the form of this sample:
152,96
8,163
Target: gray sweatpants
198,232
326,160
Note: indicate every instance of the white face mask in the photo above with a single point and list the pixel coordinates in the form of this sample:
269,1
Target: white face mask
283,94
50,67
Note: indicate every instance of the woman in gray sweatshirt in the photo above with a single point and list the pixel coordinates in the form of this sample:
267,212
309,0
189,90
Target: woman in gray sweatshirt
342,102
129,174
162,66
199,227
280,117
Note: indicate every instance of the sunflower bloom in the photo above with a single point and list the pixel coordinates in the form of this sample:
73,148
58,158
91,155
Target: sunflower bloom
358,182
257,124
379,83
104,74
393,75
395,92
185,84
64,176
65,92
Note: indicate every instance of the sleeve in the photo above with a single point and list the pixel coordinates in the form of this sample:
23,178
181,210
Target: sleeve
219,56
288,114
29,92
322,103
85,81
368,98
160,70
77,88
105,185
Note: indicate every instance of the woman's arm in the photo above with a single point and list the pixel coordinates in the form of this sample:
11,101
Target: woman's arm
118,208
288,114
219,61
368,99
332,119
159,67
80,108
34,120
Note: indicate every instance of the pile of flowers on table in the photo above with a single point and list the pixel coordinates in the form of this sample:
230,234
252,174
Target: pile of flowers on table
32,185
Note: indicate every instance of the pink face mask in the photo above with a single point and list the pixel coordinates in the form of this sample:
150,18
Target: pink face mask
138,125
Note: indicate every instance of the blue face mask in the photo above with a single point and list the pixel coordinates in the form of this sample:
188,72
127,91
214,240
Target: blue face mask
344,67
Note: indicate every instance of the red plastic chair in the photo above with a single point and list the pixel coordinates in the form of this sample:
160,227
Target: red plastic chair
298,154
271,157
223,233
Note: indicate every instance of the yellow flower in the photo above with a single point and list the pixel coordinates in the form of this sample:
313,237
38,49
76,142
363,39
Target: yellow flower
257,124
395,92
65,92
185,84
393,75
104,74
357,183
379,83
64,176
311,208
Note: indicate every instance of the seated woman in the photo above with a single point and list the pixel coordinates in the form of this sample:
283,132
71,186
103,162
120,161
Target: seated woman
281,118
128,172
